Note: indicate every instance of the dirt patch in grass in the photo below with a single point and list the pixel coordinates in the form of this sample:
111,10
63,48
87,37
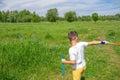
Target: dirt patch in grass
114,58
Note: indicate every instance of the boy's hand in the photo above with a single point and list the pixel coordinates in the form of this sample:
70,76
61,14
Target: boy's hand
104,42
63,60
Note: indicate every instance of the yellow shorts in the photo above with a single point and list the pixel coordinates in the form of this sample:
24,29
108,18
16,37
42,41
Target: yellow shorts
77,73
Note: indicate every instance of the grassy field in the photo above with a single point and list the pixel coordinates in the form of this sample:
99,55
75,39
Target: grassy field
32,51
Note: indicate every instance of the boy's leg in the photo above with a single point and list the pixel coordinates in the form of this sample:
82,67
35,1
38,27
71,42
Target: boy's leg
77,73
84,68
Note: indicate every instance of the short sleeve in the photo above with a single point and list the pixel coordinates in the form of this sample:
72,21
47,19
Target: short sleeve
72,53
84,44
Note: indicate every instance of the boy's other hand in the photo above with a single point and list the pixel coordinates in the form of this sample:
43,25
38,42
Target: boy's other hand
63,60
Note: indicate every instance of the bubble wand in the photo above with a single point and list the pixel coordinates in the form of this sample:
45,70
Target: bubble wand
63,66
113,43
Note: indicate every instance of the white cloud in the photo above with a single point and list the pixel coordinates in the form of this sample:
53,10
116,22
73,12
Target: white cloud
82,7
12,4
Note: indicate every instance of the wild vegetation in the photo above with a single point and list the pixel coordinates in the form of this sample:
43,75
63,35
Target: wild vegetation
32,51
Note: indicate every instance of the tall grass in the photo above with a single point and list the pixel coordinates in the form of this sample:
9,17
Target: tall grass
32,51
28,57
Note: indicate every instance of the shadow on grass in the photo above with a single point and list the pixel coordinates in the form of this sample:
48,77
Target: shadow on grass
83,78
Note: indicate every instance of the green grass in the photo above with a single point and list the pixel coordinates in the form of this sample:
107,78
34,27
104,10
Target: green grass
32,51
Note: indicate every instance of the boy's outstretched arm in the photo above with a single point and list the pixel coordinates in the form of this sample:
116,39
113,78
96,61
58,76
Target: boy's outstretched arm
96,42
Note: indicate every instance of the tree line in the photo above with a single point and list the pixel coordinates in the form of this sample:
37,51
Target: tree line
52,15
19,16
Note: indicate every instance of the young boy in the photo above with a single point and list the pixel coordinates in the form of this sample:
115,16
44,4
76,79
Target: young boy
76,53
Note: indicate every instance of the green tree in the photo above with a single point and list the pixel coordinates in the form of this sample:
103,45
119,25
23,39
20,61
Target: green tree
4,16
25,16
86,18
35,17
95,16
42,18
61,18
117,16
0,16
52,15
70,16
13,16
102,18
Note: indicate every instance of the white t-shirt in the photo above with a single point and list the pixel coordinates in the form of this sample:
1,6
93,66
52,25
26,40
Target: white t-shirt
77,53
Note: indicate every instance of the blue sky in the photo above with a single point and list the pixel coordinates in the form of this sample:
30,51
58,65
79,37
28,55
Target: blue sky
81,7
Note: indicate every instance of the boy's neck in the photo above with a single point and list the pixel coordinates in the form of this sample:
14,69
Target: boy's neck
73,43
